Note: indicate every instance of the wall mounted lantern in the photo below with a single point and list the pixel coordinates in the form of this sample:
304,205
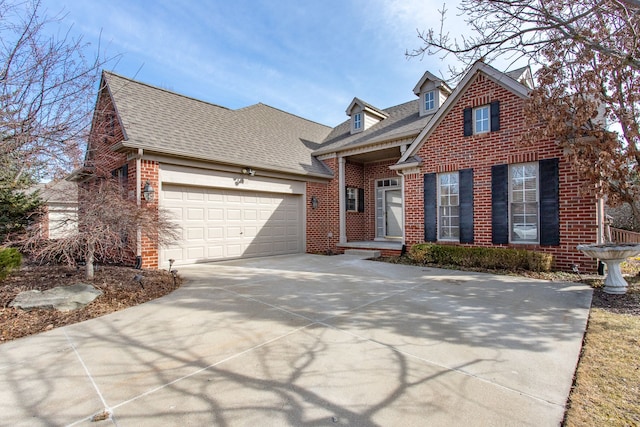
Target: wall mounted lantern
248,171
148,191
314,202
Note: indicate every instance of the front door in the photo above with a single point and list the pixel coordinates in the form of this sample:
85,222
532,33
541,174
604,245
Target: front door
389,209
393,213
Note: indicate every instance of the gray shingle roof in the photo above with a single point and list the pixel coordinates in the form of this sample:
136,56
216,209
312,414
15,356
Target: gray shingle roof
258,136
403,121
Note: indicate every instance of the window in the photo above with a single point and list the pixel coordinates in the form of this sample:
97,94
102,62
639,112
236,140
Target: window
523,202
448,206
352,199
429,101
357,121
392,182
481,121
121,175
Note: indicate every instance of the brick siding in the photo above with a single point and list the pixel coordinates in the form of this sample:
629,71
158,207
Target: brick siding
448,150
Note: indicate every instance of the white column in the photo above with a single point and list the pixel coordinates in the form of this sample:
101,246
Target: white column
341,200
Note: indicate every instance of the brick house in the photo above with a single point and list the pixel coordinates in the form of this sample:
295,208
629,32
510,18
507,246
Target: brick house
446,167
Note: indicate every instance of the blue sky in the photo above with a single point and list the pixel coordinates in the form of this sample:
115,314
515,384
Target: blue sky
308,58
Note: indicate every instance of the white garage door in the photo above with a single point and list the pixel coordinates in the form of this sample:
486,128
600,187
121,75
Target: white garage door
218,224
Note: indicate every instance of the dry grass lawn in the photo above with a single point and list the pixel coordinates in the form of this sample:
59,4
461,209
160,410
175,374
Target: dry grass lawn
607,386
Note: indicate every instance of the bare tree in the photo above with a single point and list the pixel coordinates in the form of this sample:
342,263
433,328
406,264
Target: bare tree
107,231
587,56
46,88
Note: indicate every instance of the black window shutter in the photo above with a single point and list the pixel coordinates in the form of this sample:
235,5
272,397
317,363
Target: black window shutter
549,202
430,207
495,116
500,204
360,199
466,205
468,124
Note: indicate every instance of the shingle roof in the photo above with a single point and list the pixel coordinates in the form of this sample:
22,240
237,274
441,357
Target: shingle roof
403,121
258,136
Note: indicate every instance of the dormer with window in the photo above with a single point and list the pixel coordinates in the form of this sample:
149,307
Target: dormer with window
432,92
363,115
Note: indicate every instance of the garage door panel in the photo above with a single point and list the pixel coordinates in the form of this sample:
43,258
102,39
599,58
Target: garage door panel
195,252
195,214
195,233
175,213
233,231
250,214
215,196
215,214
215,233
172,193
196,195
217,224
234,214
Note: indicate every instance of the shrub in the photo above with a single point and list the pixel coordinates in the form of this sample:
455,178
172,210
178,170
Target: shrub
481,257
10,259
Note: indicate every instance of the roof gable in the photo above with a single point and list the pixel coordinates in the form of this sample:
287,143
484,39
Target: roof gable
428,77
260,136
494,75
359,105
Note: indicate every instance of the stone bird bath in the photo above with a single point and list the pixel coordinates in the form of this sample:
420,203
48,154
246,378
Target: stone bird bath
612,254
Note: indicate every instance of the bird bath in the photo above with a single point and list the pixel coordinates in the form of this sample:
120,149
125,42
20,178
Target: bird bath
612,254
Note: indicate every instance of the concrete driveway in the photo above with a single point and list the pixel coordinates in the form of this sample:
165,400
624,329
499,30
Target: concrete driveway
310,340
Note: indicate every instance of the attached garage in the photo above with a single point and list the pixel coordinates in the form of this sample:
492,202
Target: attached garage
216,223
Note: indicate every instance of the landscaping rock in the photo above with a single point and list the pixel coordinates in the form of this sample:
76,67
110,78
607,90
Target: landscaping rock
62,298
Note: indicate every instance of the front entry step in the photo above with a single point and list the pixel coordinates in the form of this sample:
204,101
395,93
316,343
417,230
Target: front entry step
362,253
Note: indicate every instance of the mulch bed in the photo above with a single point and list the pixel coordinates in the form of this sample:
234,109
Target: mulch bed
628,303
120,290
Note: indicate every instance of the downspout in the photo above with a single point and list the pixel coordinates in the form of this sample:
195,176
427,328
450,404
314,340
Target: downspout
341,201
139,204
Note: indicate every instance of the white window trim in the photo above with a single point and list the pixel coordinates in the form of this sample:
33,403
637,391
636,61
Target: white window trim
432,94
525,242
475,121
352,191
357,121
439,205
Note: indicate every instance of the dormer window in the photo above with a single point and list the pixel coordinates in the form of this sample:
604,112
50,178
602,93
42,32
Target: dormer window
364,115
429,100
432,92
357,121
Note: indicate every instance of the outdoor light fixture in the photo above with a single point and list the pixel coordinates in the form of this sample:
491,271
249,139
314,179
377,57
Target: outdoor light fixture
314,202
147,191
248,171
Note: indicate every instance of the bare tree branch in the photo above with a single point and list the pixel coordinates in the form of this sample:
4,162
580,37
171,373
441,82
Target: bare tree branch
46,87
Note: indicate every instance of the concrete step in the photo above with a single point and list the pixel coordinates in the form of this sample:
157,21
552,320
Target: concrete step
362,253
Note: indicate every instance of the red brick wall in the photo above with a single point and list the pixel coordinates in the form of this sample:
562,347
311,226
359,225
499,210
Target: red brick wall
317,224
323,224
448,150
355,221
106,132
149,171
